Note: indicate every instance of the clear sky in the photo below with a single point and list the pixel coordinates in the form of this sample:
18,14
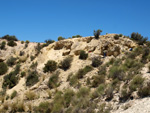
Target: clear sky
38,20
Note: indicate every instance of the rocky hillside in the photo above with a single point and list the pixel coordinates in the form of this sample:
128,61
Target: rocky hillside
78,75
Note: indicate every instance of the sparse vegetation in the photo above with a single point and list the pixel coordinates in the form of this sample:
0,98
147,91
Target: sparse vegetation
60,38
50,66
83,55
30,95
76,36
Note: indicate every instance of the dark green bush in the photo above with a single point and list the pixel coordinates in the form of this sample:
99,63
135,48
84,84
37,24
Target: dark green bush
47,42
66,63
50,66
32,57
97,33
10,38
125,95
21,53
38,49
34,65
96,62
116,37
3,68
32,78
139,38
60,38
83,55
11,43
11,61
22,42
43,107
144,91
120,35
2,45
13,94
23,74
10,80
53,80
27,41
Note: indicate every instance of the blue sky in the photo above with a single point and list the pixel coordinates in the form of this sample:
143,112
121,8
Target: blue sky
38,20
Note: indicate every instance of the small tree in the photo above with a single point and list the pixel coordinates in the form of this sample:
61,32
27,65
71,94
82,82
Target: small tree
12,43
97,33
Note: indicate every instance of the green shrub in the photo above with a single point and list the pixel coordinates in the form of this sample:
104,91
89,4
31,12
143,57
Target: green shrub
27,41
23,74
125,95
97,80
116,37
13,94
2,45
109,93
120,35
10,38
42,108
26,45
68,95
38,49
53,80
96,62
21,53
22,42
11,43
73,81
3,68
34,65
83,92
97,33
50,66
144,91
66,63
116,72
32,57
47,42
83,55
84,71
32,78
76,36
137,82
139,38
60,38
11,61
102,70
10,80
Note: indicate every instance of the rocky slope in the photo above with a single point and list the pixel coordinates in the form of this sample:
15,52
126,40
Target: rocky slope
88,89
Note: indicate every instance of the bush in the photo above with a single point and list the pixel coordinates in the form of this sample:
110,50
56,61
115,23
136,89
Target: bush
116,37
2,45
10,80
43,106
73,80
27,41
144,91
137,82
11,43
38,49
66,63
139,38
10,38
11,61
21,53
84,71
13,94
32,57
50,66
47,42
120,35
83,92
22,42
53,80
97,80
3,68
125,95
116,72
96,62
23,74
68,95
32,78
109,93
83,55
30,95
97,33
60,38
76,36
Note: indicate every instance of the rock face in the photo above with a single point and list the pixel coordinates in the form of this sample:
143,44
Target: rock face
63,44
